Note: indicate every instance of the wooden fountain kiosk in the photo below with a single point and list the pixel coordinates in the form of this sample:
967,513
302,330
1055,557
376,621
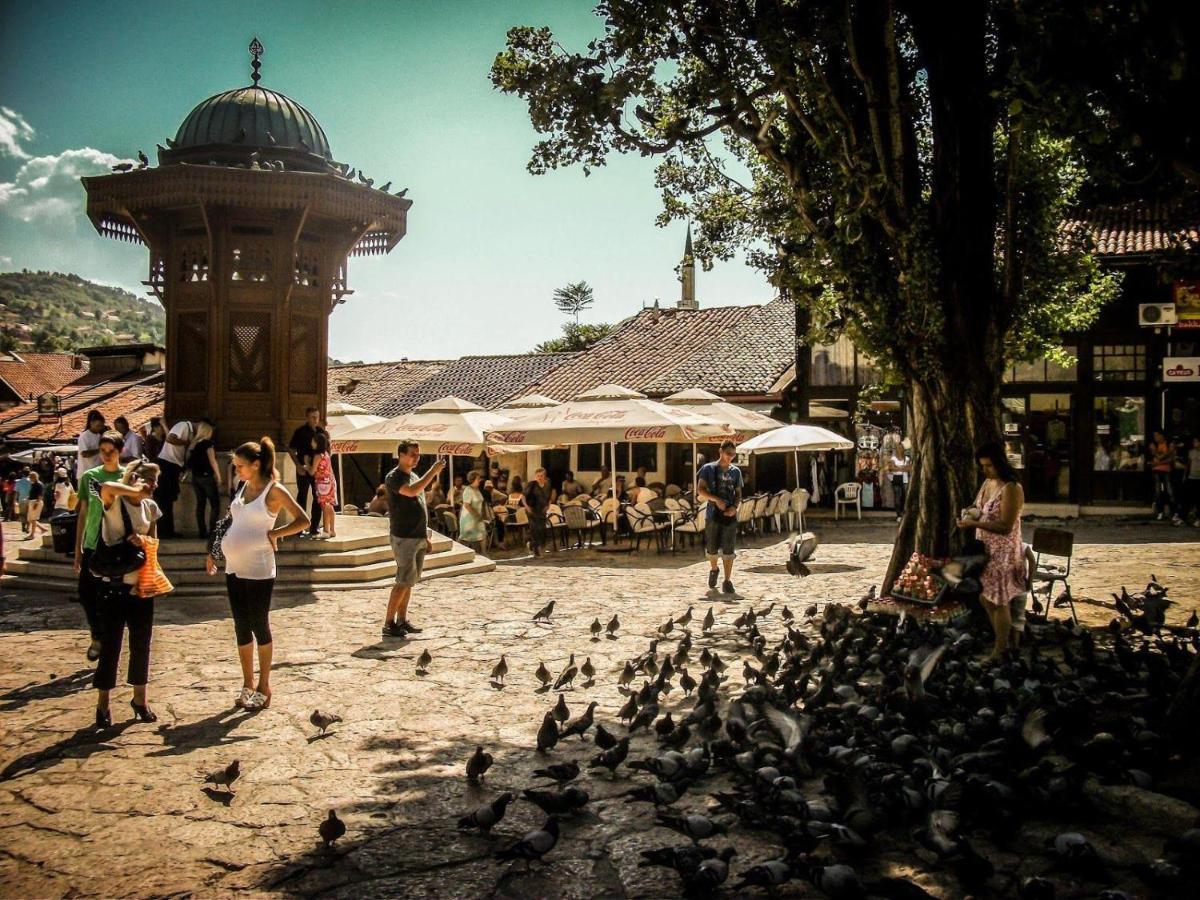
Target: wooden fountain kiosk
249,222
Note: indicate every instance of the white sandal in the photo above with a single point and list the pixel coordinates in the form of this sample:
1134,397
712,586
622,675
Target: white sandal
244,698
257,701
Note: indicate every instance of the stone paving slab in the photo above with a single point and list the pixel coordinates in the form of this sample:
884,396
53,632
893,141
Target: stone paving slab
123,812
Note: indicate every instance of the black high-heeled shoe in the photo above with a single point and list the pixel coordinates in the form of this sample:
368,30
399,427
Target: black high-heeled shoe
143,713
103,718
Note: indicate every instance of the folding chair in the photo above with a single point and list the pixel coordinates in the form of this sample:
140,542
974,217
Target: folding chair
1059,544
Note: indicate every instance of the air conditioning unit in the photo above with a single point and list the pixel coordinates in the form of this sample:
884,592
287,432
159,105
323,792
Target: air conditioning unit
1152,315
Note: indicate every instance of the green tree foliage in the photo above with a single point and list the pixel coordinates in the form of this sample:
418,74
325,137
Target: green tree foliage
575,337
53,311
574,298
874,159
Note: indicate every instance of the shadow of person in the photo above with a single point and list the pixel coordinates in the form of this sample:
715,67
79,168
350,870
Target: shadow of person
211,731
46,690
80,745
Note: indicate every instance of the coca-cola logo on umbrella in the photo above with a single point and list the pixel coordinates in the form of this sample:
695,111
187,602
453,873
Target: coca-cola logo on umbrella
507,437
646,433
455,449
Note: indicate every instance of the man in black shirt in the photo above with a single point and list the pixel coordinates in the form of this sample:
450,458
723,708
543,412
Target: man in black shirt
410,534
303,453
537,498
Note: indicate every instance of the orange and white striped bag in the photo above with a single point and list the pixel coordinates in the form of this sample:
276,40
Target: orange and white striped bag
151,579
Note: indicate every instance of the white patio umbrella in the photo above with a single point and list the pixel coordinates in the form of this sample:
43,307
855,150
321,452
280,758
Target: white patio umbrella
609,414
745,422
450,426
342,418
796,439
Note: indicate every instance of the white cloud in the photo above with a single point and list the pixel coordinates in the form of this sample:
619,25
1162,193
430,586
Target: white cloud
14,131
46,191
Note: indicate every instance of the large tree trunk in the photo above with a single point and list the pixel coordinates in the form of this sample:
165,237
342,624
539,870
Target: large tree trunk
955,402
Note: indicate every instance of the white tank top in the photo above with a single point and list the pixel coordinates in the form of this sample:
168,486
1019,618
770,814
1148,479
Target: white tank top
247,550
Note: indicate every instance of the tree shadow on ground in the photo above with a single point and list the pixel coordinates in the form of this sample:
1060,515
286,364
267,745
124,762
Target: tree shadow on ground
63,686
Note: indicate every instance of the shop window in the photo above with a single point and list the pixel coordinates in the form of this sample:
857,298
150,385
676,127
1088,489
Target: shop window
1119,362
1040,370
1120,444
591,457
833,364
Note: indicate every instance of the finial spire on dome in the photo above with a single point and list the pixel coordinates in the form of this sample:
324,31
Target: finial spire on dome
256,50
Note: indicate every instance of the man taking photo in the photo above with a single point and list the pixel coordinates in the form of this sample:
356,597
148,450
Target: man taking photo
410,534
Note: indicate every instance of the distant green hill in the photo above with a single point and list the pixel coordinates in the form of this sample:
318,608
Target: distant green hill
47,311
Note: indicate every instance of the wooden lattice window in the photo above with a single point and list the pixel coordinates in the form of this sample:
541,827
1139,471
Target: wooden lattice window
191,352
307,269
251,260
302,355
250,352
193,261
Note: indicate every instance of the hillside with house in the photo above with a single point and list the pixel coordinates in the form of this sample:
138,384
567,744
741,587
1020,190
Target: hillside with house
54,311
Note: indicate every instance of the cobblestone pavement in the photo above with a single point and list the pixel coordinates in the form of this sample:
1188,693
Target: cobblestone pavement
123,812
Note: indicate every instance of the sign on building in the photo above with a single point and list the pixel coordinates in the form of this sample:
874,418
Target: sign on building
49,407
1181,368
1187,304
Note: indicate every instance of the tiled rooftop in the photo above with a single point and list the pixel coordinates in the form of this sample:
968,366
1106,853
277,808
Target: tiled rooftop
372,385
137,403
31,374
486,380
79,396
1144,227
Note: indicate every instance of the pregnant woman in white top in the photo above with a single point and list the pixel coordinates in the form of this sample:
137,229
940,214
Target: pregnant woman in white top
249,548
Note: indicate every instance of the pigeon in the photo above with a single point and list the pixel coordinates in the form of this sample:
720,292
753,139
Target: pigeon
839,882
478,764
786,614
687,682
588,671
543,674
570,799
921,663
486,817
709,621
386,187
661,793
423,662
692,825
612,757
560,711
1193,620
171,143
559,772
769,874
143,160
543,614
331,829
122,167
596,628
323,720
627,675
547,735
629,710
580,725
500,669
603,738
710,874
534,845
685,859
686,619
226,776
401,193
567,675
613,624
667,627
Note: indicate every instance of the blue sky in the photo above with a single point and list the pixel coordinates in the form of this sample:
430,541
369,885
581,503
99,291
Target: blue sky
402,91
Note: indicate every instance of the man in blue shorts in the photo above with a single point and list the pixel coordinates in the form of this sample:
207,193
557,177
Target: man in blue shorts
720,483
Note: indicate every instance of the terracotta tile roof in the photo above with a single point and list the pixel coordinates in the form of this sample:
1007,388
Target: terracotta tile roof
82,395
137,403
31,374
371,385
748,361
644,348
486,380
1146,226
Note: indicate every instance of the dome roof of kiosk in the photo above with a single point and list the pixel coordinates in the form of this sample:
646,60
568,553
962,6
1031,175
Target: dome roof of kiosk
253,117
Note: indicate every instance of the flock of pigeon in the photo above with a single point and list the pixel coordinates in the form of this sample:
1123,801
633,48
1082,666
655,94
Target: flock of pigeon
256,162
854,739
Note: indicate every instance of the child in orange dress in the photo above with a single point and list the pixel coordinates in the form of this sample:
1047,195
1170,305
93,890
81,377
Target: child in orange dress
326,485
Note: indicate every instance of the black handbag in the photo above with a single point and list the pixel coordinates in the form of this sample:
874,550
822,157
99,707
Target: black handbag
219,530
114,561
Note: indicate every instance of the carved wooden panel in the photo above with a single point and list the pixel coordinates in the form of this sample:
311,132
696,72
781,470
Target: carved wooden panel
307,270
303,353
251,259
191,352
250,352
193,261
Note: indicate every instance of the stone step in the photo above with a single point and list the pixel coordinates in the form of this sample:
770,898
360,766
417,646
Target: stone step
294,546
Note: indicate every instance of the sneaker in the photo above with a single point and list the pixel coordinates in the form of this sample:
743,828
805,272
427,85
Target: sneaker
727,587
410,628
93,651
394,629
1175,520
712,579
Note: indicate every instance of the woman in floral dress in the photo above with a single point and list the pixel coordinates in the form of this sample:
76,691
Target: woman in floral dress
326,485
999,502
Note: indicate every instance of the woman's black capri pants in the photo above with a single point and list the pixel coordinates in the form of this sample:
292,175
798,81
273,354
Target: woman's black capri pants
250,602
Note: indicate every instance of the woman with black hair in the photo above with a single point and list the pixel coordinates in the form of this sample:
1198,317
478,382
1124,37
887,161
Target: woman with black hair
249,549
998,526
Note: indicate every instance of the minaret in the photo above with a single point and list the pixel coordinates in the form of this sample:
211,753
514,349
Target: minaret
687,275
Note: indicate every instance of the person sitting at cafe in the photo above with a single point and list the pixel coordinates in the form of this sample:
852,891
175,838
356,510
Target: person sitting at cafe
516,493
434,495
457,491
378,505
600,488
570,487
641,493
623,496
